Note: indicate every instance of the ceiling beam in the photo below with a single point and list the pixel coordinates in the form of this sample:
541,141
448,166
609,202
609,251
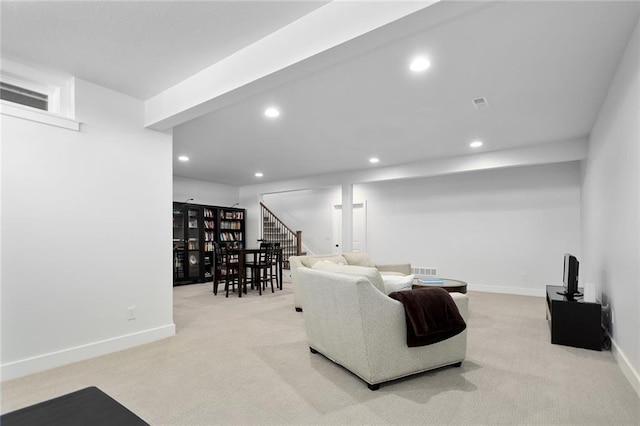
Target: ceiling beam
548,153
269,62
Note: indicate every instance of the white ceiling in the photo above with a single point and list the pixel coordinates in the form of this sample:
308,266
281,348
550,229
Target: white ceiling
544,67
138,47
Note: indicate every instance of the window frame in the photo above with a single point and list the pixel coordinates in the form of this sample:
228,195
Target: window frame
60,90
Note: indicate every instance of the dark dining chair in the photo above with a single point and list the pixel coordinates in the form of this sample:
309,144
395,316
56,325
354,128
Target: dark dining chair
227,268
276,264
261,267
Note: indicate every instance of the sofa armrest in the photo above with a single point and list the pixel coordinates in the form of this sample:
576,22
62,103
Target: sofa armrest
385,332
462,301
379,306
403,268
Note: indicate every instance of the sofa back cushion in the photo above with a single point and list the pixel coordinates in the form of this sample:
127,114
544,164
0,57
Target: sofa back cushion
359,259
393,282
371,274
309,261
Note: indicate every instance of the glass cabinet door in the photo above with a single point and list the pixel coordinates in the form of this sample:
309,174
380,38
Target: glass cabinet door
193,242
209,239
187,244
179,252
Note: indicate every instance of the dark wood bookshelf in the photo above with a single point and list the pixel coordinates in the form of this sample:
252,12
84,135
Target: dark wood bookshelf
196,228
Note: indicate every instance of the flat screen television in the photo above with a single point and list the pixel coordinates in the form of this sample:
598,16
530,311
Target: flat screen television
570,276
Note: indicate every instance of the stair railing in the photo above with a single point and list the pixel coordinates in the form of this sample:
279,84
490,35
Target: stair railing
273,230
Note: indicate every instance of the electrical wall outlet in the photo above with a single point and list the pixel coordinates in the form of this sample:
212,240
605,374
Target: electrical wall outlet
131,313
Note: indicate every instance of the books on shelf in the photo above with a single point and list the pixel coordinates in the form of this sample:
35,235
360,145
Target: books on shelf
225,214
231,236
231,225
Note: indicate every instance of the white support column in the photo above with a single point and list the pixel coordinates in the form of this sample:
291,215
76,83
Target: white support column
347,218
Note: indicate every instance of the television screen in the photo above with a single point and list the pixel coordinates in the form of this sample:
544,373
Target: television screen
570,274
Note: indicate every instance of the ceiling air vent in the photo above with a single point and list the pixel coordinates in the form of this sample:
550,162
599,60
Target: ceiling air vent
480,103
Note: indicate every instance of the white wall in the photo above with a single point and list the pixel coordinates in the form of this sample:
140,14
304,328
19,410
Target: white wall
203,192
309,211
85,234
611,209
501,230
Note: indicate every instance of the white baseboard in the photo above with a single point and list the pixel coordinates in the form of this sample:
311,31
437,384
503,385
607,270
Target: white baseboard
537,292
23,367
627,369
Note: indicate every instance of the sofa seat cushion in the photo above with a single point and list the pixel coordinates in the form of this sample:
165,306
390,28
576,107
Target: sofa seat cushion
371,274
392,273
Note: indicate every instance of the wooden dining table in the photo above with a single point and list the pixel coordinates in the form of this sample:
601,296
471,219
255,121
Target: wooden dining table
243,253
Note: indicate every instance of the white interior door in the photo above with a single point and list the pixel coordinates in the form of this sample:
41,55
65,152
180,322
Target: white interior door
359,227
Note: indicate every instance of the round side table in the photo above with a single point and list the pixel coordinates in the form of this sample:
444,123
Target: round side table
447,283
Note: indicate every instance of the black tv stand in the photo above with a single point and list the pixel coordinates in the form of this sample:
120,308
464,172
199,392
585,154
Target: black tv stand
574,322
569,296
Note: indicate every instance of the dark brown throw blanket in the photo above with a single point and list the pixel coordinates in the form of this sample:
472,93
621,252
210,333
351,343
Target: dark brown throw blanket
432,315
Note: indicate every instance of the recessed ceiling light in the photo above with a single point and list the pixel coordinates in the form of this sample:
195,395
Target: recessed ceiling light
272,112
419,64
374,160
183,158
259,174
476,144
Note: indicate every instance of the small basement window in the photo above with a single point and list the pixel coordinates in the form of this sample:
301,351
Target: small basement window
22,96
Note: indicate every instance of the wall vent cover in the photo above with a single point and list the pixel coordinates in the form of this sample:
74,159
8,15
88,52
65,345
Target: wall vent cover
424,271
480,103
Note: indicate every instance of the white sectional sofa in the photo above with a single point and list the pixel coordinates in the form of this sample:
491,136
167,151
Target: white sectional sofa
356,325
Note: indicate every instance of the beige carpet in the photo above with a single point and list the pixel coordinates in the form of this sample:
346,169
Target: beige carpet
245,361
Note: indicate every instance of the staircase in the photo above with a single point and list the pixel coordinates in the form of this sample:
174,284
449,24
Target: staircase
275,231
